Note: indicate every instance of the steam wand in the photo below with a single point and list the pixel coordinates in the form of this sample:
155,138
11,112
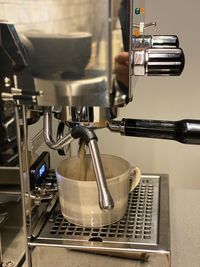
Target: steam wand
105,198
183,131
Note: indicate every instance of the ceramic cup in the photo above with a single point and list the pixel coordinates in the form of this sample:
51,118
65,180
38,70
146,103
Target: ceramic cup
79,199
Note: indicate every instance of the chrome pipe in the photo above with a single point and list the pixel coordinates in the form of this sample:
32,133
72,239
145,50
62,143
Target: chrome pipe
47,132
105,198
22,182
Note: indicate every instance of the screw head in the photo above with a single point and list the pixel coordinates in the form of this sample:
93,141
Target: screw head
7,82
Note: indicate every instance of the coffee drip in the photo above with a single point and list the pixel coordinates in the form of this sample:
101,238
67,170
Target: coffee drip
83,160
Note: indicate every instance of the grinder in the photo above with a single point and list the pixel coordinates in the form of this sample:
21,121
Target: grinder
73,77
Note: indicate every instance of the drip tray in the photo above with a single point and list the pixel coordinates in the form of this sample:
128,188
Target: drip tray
144,228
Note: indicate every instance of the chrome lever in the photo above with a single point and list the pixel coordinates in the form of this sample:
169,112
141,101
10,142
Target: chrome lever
142,26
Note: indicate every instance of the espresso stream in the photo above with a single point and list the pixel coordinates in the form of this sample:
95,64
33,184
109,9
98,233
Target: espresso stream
83,160
86,172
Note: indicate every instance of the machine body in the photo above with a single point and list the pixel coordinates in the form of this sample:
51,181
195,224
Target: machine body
73,74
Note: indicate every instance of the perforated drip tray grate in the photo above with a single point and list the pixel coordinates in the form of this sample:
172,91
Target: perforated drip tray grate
139,225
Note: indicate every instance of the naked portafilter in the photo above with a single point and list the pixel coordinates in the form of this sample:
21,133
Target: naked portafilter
72,77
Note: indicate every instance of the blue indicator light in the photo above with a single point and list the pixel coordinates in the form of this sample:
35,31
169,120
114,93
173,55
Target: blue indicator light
42,170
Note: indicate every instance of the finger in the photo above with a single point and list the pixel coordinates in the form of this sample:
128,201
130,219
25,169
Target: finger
121,69
122,58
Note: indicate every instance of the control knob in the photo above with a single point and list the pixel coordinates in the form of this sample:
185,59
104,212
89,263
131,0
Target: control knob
164,41
157,56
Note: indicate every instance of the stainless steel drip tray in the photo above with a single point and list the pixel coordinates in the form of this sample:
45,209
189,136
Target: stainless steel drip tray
144,228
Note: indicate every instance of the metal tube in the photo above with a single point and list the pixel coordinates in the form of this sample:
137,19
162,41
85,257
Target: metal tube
19,143
1,257
25,165
105,198
47,131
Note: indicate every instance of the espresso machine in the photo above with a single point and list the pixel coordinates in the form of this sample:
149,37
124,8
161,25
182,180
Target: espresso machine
81,77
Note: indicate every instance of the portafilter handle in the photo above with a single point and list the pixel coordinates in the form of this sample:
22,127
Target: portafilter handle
183,131
105,198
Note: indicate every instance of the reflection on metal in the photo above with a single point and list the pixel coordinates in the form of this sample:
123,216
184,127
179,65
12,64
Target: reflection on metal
90,91
92,117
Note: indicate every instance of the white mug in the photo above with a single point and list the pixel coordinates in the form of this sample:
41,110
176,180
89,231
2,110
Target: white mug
79,199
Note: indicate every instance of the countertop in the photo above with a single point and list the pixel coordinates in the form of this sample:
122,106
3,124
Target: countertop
185,227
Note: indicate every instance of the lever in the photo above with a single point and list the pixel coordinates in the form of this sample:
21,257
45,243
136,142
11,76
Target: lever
105,198
142,26
183,131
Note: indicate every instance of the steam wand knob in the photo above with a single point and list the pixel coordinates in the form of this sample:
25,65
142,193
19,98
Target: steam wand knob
157,55
158,62
183,131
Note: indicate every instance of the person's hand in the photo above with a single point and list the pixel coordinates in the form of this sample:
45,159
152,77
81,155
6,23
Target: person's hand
121,69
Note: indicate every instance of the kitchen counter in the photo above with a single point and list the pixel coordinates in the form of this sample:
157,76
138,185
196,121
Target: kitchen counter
185,240
185,227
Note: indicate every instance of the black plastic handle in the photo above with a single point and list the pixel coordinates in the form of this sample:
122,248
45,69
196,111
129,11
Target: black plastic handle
183,131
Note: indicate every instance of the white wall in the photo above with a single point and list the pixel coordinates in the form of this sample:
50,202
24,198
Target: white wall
166,98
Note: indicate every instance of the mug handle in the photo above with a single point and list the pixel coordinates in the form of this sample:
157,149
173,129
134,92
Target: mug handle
136,173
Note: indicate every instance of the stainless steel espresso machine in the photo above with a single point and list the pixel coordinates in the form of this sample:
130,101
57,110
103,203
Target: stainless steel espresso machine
81,74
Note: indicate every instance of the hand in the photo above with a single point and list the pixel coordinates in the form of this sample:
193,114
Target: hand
122,68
